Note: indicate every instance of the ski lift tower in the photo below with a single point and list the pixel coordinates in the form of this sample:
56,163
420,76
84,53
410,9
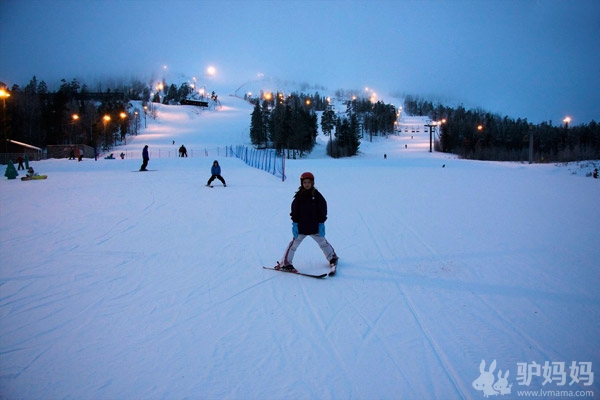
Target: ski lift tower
430,125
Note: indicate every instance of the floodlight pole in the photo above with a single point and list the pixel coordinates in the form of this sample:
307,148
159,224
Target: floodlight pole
530,145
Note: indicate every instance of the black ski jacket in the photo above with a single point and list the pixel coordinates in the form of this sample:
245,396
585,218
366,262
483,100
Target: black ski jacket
309,209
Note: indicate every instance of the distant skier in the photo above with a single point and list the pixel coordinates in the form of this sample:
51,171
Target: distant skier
182,151
216,174
146,158
595,174
308,212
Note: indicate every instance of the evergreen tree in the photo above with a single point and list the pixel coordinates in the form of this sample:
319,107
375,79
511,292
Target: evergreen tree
293,124
347,138
171,96
183,92
328,121
11,171
258,129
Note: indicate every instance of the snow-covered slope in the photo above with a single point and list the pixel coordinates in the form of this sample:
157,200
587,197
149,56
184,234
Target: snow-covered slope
117,284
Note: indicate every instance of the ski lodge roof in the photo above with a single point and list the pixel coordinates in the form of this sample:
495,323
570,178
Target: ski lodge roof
23,145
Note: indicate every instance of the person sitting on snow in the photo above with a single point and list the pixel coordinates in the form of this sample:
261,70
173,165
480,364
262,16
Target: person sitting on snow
31,173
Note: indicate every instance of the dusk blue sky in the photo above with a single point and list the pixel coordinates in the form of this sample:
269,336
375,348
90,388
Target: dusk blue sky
538,60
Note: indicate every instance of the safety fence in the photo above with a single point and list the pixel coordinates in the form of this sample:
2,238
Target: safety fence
162,152
265,159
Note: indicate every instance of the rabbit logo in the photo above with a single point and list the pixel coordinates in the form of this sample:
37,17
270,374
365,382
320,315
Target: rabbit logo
501,384
485,382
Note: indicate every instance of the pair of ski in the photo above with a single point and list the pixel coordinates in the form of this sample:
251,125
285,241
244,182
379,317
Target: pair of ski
320,276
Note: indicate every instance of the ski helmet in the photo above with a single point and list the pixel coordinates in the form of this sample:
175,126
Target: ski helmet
307,175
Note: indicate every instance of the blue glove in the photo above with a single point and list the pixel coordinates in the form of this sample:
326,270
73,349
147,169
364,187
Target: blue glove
322,229
295,230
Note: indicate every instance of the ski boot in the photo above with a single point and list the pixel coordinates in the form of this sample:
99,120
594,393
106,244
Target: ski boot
286,268
333,265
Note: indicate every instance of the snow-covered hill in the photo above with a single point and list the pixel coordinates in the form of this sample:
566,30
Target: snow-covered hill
117,284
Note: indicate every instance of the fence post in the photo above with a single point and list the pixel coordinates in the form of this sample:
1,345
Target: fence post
283,171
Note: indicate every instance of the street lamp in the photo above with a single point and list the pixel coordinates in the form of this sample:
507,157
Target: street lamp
4,95
123,133
74,118
106,119
567,121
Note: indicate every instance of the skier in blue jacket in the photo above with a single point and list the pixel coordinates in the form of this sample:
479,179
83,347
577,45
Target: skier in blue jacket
309,212
216,174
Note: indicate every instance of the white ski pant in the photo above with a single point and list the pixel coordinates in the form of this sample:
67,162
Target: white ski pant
326,248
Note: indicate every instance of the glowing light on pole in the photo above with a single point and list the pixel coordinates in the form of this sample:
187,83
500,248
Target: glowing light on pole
4,95
106,119
123,133
74,117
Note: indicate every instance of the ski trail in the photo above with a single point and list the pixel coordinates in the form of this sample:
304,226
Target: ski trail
429,248
527,338
242,291
29,364
446,364
373,331
324,334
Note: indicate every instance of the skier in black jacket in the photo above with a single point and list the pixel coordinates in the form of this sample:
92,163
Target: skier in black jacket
309,212
145,158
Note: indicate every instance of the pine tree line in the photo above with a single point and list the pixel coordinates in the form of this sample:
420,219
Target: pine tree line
362,115
74,114
477,134
284,123
171,94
